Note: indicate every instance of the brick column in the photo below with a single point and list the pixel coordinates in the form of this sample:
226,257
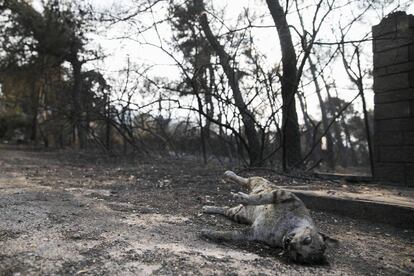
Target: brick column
393,45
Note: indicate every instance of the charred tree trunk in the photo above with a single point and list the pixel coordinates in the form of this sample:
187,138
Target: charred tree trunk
360,86
309,126
254,148
330,158
367,127
336,127
356,78
200,124
209,100
202,136
108,140
354,159
290,127
35,110
203,85
78,124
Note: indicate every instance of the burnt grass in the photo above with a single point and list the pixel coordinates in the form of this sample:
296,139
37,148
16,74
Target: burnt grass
89,213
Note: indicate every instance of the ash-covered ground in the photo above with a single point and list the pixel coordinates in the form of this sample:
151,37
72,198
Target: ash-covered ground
79,213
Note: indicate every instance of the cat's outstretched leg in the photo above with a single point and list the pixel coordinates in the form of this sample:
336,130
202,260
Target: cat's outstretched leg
229,175
238,214
236,235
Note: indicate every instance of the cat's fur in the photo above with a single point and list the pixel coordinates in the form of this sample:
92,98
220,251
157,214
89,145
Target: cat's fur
276,217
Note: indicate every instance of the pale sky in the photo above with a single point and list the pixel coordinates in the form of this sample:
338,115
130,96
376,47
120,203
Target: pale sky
265,39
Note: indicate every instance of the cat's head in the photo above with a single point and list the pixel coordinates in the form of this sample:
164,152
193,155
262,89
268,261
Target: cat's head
307,245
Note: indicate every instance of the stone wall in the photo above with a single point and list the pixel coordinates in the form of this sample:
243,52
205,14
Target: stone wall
393,47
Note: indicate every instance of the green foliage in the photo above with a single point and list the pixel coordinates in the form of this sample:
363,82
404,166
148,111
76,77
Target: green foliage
186,33
35,47
13,125
59,31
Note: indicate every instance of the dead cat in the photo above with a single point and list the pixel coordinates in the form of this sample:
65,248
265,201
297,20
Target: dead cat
276,217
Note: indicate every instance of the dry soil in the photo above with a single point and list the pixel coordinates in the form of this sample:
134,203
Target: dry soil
89,214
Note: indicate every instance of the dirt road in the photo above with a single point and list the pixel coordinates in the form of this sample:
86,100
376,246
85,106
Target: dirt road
73,213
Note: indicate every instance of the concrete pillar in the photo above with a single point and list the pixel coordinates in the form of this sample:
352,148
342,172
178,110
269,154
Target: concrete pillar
393,45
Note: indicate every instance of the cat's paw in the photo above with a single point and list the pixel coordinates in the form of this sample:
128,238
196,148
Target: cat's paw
241,197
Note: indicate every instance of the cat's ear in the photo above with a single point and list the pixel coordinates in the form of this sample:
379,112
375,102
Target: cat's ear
328,240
